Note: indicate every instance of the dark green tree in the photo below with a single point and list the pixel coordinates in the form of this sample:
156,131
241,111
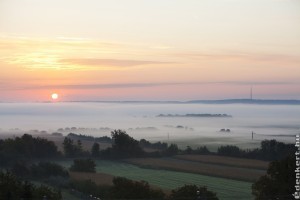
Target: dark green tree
27,190
44,192
124,145
79,146
230,150
279,183
192,192
188,150
83,165
10,186
274,150
26,148
172,150
13,188
20,169
127,189
48,169
71,149
202,150
95,150
89,187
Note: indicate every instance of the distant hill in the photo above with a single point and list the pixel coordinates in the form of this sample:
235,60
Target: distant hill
249,101
223,101
194,115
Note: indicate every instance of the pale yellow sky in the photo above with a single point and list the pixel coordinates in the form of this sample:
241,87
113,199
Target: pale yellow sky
149,50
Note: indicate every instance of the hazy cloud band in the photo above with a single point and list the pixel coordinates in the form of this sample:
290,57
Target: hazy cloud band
139,85
109,62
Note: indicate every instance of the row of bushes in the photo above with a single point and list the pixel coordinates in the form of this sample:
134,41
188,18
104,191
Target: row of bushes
127,189
124,146
26,148
12,187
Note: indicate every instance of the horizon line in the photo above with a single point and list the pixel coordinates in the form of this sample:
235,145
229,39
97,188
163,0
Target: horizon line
232,100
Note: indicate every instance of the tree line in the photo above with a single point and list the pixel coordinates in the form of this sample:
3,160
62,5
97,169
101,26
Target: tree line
29,148
124,188
12,187
124,146
269,150
26,148
19,154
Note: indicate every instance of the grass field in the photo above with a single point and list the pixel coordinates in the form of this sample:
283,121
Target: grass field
226,161
216,170
226,189
98,178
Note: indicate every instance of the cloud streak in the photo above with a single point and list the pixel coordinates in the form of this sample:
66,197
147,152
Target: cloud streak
139,85
109,62
241,56
71,54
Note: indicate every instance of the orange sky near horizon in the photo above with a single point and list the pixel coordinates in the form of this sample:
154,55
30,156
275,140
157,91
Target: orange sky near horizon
205,51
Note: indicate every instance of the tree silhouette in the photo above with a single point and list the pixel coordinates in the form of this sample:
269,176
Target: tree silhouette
95,150
70,149
13,188
83,165
278,183
192,192
124,145
127,189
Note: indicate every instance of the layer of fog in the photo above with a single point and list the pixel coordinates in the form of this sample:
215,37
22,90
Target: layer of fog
140,121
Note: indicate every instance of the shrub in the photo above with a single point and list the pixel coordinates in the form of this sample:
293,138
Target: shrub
192,192
83,165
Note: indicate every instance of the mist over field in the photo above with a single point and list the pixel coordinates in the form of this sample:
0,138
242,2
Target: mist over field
140,120
142,99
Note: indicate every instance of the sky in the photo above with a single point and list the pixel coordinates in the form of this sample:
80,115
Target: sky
149,49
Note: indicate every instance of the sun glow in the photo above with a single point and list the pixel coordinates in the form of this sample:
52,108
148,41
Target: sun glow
54,96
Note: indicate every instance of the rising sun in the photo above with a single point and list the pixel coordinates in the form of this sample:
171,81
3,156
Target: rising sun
54,96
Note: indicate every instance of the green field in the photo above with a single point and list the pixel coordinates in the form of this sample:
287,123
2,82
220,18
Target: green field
226,189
